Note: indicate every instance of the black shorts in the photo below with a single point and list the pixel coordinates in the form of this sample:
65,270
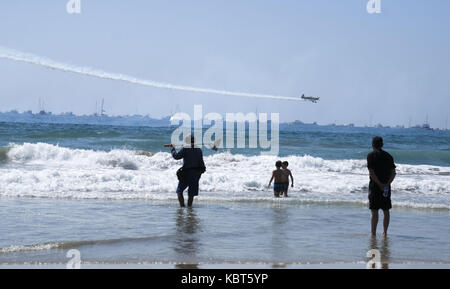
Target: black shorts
278,187
377,201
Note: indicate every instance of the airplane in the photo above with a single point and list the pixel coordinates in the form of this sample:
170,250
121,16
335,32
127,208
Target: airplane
311,98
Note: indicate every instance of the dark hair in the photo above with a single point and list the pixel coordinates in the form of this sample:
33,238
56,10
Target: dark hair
377,142
286,163
278,164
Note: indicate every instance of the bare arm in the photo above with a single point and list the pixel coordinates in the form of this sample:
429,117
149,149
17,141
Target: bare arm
271,179
292,179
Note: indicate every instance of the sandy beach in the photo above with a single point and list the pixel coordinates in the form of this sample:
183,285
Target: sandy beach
337,266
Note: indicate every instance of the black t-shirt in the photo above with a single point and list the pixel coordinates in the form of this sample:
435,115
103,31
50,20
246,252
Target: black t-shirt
382,163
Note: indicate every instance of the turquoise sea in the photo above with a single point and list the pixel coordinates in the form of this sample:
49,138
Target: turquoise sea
86,187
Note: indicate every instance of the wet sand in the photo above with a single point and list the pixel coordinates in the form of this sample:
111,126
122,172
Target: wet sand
40,233
360,265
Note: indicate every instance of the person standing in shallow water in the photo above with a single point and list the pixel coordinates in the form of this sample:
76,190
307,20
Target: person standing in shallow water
382,173
193,168
277,174
286,174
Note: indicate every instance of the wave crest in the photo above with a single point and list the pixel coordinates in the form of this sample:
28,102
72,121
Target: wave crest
50,171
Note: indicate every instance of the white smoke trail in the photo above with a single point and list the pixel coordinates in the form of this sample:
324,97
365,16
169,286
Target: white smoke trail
15,55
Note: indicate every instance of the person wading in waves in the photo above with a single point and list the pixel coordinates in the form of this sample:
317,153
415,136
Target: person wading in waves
191,171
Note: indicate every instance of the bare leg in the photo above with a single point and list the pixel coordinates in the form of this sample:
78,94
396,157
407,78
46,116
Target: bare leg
387,218
181,200
374,222
190,201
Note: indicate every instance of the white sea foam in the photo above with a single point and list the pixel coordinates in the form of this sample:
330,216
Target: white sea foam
28,248
49,171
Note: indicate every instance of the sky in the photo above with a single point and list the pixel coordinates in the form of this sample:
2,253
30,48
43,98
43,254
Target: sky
391,68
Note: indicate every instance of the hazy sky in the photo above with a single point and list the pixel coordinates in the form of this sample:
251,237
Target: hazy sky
382,68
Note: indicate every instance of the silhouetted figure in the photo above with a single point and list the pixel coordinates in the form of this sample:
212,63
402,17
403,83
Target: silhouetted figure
193,168
277,175
382,173
286,174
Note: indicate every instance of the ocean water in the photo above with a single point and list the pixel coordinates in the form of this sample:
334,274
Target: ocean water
85,187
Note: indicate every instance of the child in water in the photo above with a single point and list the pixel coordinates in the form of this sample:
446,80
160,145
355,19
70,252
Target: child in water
278,176
285,179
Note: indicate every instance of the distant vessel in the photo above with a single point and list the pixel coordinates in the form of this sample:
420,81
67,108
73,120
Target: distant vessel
102,110
425,126
41,108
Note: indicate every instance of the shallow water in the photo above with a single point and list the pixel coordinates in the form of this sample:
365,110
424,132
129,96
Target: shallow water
110,232
68,186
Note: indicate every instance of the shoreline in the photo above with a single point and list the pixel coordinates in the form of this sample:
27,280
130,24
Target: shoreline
267,200
147,235
228,266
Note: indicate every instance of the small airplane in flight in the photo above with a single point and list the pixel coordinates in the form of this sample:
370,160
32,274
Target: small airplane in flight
311,98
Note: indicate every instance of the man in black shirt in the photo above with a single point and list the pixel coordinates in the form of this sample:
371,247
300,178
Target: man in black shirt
382,173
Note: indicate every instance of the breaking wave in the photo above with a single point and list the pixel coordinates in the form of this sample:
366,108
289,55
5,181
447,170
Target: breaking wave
50,171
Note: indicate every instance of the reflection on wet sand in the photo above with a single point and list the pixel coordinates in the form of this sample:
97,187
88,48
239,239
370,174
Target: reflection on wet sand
382,246
186,266
279,221
279,265
186,242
